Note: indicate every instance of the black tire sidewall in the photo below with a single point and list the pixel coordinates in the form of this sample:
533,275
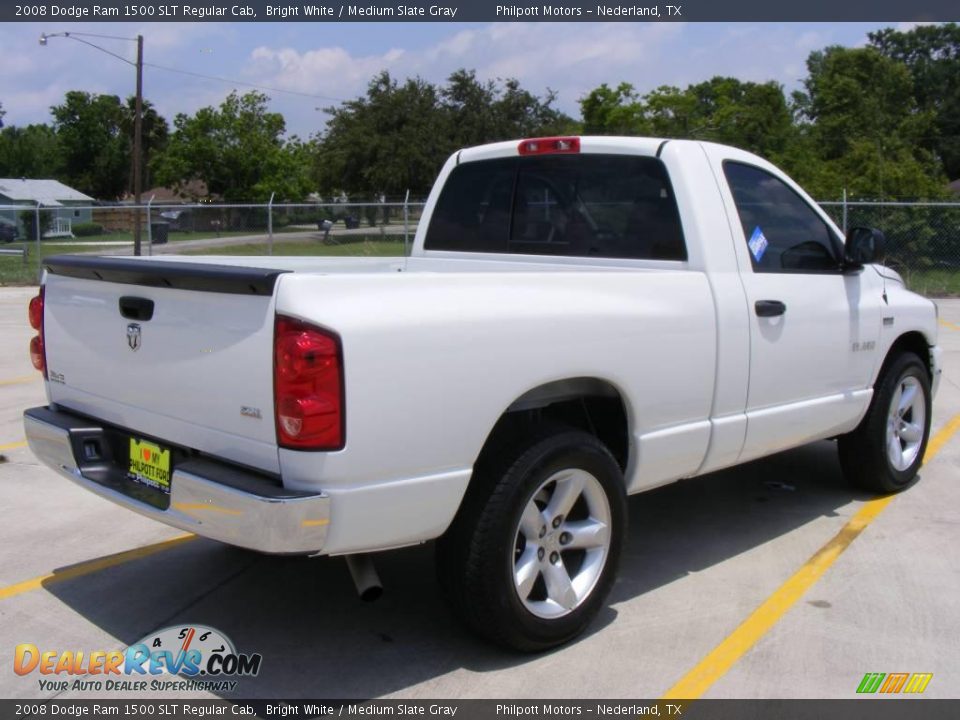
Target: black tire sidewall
544,459
908,366
864,451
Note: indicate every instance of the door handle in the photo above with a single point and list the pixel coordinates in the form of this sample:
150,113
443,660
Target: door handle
769,308
136,308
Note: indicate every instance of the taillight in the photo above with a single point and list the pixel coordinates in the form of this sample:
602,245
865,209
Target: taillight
38,353
308,386
550,145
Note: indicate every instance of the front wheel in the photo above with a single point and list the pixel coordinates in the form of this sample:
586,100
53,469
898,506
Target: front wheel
886,450
533,553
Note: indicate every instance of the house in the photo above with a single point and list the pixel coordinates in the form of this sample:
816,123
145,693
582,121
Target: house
68,205
954,187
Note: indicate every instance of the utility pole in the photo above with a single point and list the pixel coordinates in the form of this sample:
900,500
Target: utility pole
137,118
138,148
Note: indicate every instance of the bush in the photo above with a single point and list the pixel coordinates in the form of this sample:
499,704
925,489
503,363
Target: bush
28,220
87,229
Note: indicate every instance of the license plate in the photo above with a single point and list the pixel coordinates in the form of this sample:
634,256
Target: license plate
149,465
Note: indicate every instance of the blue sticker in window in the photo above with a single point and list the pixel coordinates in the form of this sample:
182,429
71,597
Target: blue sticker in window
758,243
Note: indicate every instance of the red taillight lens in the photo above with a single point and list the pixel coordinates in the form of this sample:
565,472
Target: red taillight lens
308,386
35,311
38,353
549,146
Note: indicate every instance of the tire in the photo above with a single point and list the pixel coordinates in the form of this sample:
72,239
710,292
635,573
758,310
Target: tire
885,451
533,552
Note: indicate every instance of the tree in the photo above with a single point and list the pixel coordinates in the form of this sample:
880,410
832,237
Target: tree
154,135
613,112
865,126
236,149
398,135
931,53
30,152
753,116
95,150
393,139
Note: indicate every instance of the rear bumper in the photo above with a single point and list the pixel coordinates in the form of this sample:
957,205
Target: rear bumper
209,498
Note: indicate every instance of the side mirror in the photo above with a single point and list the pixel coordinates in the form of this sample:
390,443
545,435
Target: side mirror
864,245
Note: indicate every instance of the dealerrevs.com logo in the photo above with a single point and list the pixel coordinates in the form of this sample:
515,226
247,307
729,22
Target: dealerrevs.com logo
203,658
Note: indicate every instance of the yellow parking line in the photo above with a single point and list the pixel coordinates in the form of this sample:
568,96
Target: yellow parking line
723,657
91,566
940,439
949,324
13,445
22,380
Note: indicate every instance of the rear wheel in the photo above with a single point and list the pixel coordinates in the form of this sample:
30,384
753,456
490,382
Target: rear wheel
886,450
533,552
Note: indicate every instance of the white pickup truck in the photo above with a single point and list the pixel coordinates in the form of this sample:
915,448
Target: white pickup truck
581,318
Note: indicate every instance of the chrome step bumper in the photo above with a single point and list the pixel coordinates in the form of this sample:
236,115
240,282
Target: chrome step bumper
209,498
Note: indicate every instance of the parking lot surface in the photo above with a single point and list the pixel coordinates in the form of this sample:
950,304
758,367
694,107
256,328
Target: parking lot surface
709,559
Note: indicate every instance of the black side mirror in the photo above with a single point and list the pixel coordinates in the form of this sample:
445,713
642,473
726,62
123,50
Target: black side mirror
864,245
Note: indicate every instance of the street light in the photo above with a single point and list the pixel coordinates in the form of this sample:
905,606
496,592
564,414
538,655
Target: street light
137,117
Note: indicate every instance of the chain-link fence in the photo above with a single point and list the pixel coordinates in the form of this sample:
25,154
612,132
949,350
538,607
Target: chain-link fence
28,233
923,239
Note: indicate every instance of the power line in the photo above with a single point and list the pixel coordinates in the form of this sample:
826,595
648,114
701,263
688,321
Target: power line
241,82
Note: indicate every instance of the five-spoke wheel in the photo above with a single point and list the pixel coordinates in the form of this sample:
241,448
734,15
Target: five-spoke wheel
533,552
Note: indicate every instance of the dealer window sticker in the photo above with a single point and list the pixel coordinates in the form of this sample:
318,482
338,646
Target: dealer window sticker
758,244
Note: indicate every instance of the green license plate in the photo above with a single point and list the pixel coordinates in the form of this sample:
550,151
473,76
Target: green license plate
149,465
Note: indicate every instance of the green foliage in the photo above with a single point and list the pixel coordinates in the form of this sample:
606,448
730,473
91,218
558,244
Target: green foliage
753,116
95,150
865,128
87,229
397,137
614,112
154,136
30,152
238,150
28,221
931,54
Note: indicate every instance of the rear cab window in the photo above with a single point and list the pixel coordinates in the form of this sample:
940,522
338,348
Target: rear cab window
575,205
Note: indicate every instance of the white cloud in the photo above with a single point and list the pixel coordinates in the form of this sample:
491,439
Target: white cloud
571,58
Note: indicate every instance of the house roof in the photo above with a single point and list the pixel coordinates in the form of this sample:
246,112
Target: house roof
954,187
46,192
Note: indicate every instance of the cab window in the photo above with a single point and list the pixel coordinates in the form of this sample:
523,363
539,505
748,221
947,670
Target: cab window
783,233
587,205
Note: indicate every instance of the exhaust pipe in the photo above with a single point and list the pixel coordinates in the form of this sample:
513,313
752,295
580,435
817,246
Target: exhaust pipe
365,577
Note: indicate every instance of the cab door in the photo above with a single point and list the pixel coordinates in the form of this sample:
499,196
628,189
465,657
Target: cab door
813,327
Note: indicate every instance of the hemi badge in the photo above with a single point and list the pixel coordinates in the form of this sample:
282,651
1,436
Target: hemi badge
887,321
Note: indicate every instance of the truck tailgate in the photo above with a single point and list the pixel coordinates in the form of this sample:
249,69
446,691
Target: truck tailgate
178,352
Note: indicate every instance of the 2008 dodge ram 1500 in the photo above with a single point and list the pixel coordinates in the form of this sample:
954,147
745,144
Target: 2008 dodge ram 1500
580,319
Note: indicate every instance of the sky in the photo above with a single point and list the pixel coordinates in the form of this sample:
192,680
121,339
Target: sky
318,65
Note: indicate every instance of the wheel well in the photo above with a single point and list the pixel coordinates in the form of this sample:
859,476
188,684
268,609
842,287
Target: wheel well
913,342
589,404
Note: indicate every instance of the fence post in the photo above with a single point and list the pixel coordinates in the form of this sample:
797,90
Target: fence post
150,225
36,221
406,222
844,211
270,223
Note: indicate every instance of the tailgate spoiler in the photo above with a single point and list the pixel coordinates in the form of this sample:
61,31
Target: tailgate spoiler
203,277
